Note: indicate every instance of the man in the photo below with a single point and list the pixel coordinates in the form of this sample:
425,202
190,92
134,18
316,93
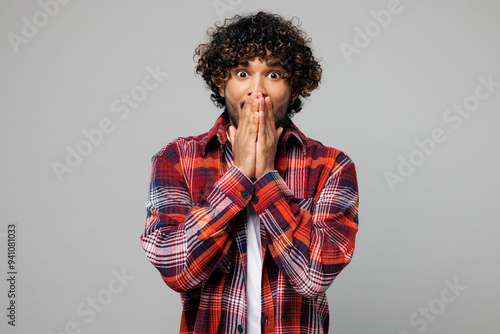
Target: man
252,221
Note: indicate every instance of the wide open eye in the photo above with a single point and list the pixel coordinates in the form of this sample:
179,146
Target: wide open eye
241,74
274,75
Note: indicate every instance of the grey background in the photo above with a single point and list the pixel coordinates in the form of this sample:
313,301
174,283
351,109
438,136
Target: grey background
440,224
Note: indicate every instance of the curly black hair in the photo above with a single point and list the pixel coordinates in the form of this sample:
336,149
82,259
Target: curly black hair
264,35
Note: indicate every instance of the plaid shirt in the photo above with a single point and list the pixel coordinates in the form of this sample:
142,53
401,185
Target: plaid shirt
195,231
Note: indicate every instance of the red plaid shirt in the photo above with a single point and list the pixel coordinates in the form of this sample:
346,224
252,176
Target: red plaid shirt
196,230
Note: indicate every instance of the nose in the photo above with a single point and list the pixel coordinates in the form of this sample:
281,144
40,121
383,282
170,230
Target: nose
257,85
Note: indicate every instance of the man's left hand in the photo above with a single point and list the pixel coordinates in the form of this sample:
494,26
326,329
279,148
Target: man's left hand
267,138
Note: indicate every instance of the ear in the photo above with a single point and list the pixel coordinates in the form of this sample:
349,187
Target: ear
294,95
222,90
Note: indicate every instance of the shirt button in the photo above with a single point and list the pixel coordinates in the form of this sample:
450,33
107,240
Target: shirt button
255,200
240,328
245,194
266,321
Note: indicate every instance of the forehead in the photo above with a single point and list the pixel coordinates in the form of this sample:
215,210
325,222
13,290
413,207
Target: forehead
258,62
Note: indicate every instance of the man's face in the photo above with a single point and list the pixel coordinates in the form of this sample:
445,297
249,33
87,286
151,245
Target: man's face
257,77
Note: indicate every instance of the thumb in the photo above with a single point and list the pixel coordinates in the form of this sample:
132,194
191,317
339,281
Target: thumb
232,132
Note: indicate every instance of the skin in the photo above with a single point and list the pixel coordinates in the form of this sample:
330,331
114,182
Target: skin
257,97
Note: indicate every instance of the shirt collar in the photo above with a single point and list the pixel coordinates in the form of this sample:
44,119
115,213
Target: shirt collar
218,132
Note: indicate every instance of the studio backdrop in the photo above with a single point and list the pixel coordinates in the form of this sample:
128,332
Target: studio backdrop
91,90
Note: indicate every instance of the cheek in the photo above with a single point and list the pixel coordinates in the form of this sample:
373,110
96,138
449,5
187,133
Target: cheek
282,95
231,95
233,91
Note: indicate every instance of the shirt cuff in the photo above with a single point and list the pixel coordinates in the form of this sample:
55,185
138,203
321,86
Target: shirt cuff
236,186
269,189
230,195
272,197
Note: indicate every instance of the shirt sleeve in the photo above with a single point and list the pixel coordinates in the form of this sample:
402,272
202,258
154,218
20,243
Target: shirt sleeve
187,241
311,248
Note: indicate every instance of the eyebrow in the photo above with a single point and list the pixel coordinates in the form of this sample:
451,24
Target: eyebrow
275,67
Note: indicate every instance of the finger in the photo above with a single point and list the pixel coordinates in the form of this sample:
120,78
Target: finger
260,98
256,115
232,133
262,126
269,105
251,106
255,103
261,102
279,131
247,108
270,113
264,111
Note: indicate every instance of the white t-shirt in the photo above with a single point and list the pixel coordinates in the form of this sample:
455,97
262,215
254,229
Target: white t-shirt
254,271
